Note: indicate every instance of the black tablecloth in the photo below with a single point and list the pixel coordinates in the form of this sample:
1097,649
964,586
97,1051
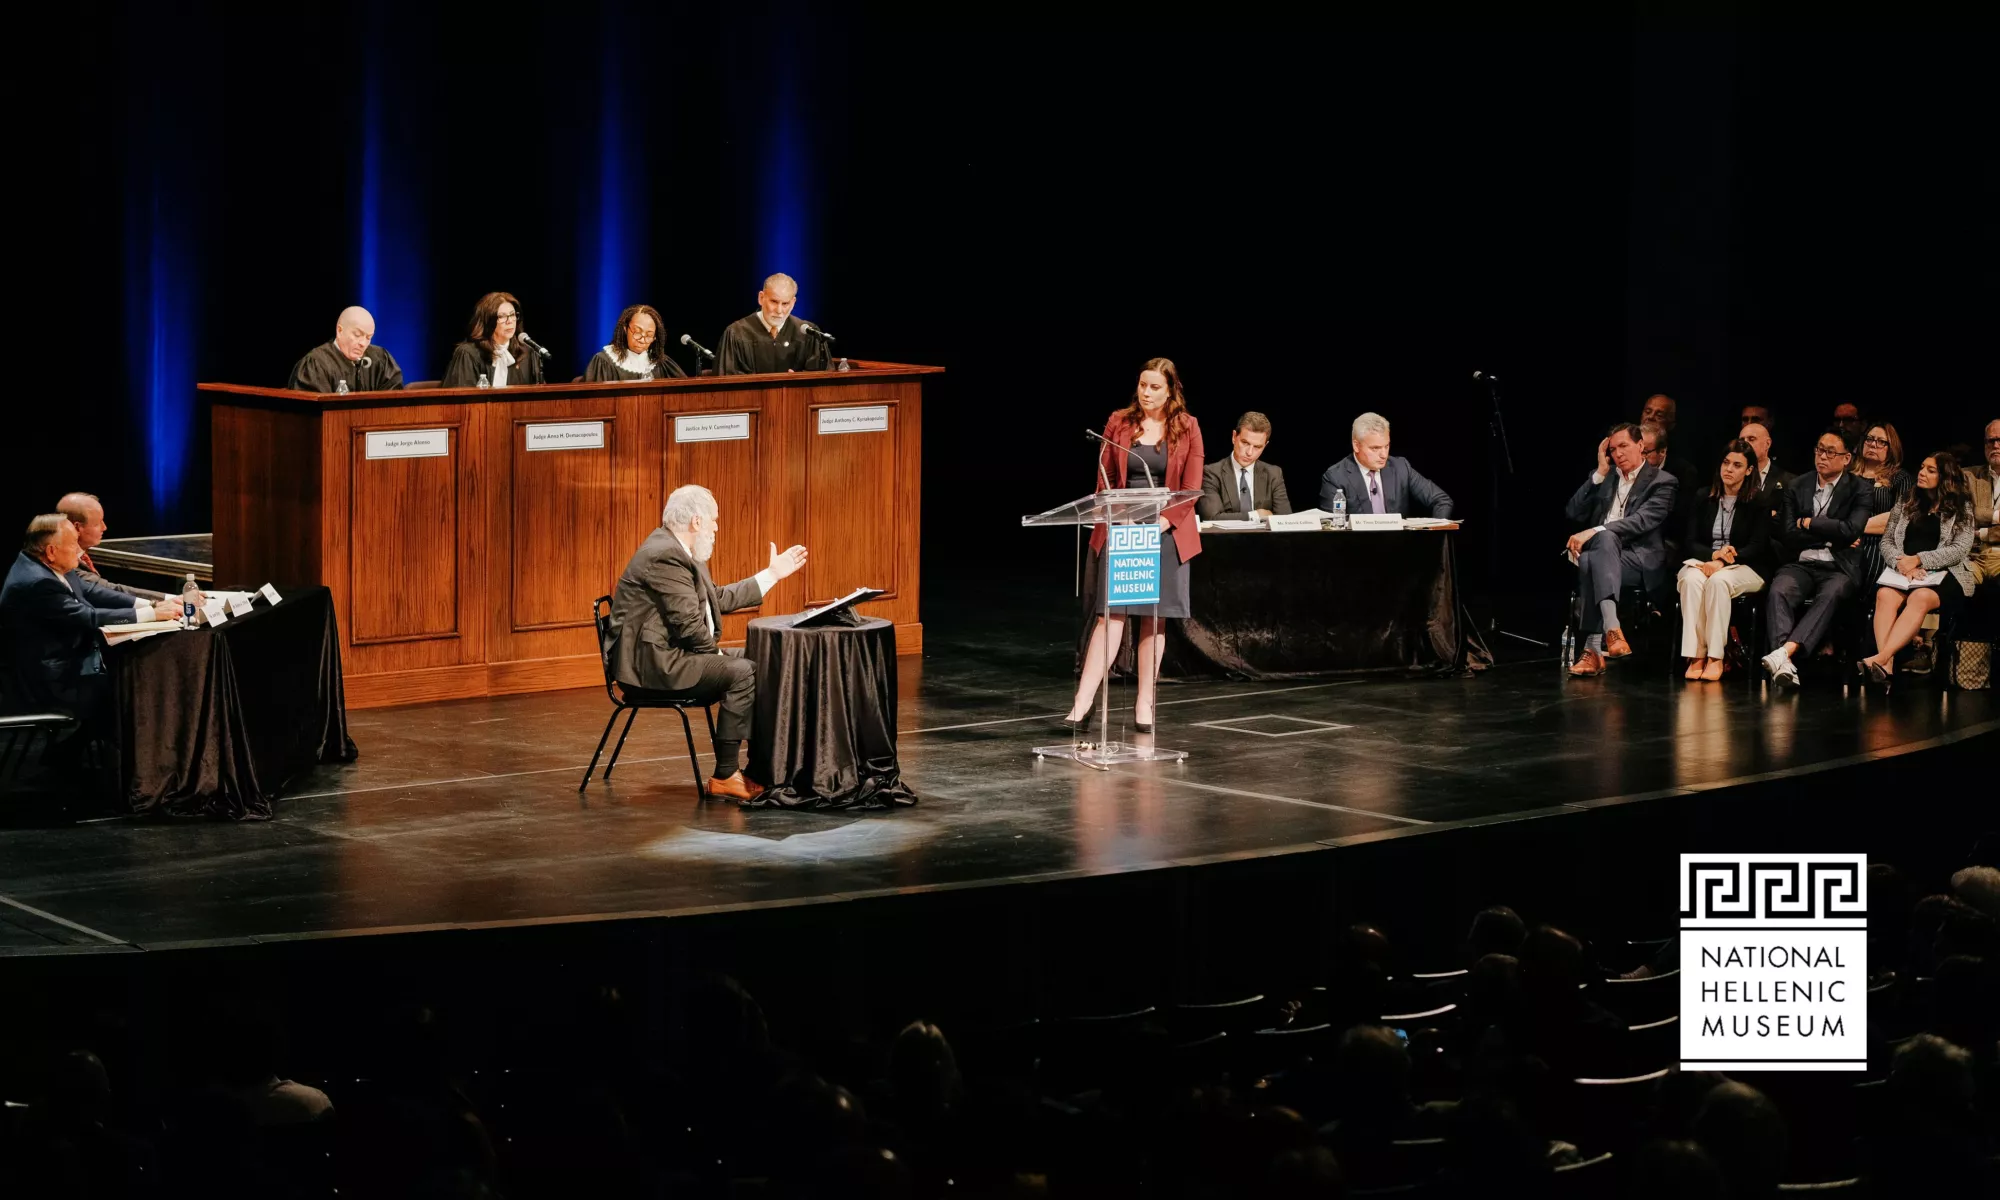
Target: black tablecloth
213,721
1273,605
825,730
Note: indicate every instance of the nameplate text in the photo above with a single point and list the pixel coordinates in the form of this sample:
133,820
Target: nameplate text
1294,522
1365,522
573,435
872,419
712,427
408,443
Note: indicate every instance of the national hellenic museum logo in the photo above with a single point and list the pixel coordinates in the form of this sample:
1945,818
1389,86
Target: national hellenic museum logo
1774,962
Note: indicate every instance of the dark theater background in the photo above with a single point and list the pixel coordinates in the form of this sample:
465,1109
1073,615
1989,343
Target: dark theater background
1311,218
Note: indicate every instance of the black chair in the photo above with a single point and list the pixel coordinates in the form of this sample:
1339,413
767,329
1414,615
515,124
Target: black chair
1640,1001
629,700
1188,1022
1641,614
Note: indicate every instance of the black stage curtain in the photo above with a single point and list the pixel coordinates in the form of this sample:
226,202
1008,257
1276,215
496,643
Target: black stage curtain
1284,605
825,731
214,721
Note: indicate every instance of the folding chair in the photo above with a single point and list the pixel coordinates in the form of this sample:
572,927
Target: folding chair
629,700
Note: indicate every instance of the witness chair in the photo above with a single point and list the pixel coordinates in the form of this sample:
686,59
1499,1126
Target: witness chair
629,700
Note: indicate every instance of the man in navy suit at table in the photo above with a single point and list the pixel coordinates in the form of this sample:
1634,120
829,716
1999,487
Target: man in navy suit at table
49,618
1375,482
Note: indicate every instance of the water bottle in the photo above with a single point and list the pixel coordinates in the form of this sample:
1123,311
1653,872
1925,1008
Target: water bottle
1340,508
340,387
484,381
843,365
1568,647
188,604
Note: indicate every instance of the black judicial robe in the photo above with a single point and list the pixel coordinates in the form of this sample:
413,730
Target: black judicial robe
469,362
324,365
603,370
749,349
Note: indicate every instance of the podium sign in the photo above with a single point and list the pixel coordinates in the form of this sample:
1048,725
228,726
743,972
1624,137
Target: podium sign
1132,558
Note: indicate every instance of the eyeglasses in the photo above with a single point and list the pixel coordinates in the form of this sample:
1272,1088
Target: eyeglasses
1829,452
639,335
1874,441
512,316
1993,441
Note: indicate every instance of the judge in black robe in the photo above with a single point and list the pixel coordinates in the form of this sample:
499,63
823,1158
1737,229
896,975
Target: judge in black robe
493,347
771,340
637,351
351,357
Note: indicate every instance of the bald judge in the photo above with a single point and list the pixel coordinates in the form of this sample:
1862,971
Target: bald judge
771,340
352,358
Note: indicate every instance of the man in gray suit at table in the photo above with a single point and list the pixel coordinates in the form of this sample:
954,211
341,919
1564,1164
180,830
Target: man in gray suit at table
1242,487
665,613
1375,482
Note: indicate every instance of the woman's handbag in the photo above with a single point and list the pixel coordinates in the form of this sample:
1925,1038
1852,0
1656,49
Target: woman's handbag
1969,665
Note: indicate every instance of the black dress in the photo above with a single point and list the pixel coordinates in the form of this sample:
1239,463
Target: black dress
1923,534
1887,496
1173,572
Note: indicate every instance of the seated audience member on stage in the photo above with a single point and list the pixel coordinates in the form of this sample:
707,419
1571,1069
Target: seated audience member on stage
1625,504
494,348
1376,482
666,611
1820,519
1661,411
1769,475
1847,419
87,514
1928,539
1728,543
771,340
1242,485
351,358
637,351
49,618
1984,483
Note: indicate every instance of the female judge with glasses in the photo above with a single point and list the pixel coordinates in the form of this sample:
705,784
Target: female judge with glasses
495,352
637,350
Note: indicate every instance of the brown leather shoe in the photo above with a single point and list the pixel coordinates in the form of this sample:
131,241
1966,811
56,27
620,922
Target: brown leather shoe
1589,663
1615,645
736,787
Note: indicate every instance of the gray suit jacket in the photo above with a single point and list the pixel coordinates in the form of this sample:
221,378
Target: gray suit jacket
1219,497
1648,507
1403,490
100,581
658,617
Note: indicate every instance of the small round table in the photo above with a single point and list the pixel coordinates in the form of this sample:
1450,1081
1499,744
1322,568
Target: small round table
824,736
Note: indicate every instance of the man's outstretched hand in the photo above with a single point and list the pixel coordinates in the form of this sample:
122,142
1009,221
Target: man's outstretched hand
786,562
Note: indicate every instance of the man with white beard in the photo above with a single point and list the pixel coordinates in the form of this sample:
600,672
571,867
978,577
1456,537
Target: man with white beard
665,613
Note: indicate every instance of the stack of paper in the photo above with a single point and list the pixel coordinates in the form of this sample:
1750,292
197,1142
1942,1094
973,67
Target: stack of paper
132,632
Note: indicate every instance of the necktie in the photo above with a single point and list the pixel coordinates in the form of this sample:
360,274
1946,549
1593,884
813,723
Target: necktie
1243,486
1374,491
86,563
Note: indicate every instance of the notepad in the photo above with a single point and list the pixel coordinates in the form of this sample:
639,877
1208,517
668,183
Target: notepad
1892,578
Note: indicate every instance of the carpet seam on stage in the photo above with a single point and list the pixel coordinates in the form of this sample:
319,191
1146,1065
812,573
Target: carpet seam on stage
1229,791
65,922
1306,687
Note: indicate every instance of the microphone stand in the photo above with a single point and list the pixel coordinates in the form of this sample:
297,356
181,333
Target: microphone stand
1502,465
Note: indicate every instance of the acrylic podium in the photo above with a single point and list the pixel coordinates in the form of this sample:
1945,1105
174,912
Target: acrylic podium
1113,507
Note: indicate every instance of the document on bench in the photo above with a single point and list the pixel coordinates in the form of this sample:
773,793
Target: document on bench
132,631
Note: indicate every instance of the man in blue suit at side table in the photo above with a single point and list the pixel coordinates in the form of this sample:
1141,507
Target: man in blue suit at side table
50,615
1377,483
1623,505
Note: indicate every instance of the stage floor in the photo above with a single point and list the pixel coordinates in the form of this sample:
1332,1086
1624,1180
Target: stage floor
466,813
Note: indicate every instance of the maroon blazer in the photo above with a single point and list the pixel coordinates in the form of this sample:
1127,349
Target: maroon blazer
1183,475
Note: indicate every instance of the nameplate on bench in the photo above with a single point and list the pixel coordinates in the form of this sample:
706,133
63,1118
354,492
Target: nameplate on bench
1364,522
1294,522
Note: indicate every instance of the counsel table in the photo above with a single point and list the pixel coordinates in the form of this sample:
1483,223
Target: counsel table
213,721
1270,605
825,731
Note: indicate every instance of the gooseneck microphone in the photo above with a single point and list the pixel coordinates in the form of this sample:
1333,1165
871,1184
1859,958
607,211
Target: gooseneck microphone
816,331
534,345
1127,449
688,340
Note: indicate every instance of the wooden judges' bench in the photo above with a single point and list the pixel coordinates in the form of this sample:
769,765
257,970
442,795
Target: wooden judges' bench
465,532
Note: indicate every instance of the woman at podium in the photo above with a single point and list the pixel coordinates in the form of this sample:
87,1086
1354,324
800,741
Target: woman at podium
1156,430
495,353
637,351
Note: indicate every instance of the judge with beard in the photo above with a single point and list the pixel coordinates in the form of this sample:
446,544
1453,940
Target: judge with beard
665,614
351,359
771,340
636,351
495,348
